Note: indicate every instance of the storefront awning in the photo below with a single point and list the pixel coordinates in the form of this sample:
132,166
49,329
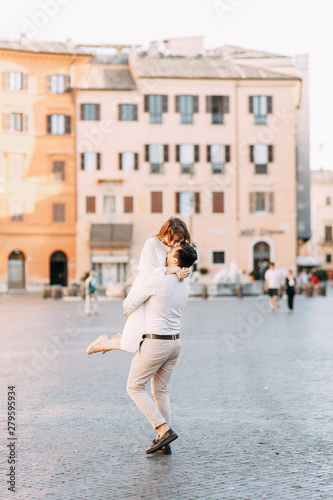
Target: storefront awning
110,259
308,261
111,235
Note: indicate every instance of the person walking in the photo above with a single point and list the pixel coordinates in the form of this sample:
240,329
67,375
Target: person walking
160,345
90,294
272,286
153,255
290,289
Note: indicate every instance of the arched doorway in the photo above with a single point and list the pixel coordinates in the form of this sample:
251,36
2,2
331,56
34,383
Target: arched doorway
261,256
58,269
16,270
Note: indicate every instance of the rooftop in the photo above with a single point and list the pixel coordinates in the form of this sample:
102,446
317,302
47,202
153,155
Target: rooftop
234,52
27,45
96,77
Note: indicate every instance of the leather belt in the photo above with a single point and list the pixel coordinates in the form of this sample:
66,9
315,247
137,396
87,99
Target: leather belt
160,337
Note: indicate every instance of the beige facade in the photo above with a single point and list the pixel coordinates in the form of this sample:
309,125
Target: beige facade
321,244
238,198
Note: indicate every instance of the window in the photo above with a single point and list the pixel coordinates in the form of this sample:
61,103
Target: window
109,204
261,202
218,257
90,112
187,105
156,202
328,200
128,205
328,258
58,212
16,122
156,105
260,106
187,155
261,155
187,203
218,106
90,204
218,202
90,161
128,161
218,155
58,124
156,155
58,170
128,112
328,234
58,84
15,80
16,212
16,167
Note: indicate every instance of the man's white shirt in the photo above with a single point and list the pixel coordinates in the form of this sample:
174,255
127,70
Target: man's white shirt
167,299
273,278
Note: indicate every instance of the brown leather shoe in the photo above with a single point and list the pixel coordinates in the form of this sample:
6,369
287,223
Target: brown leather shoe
161,441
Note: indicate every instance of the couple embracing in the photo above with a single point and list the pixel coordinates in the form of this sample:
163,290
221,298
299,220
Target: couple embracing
154,308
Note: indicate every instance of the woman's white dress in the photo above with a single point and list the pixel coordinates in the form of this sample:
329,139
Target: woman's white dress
153,255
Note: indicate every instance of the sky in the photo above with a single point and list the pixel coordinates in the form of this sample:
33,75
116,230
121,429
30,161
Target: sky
286,27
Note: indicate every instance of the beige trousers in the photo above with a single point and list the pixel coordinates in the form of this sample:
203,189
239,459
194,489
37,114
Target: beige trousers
154,361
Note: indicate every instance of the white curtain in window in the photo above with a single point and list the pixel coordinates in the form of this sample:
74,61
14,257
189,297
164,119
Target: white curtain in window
186,203
16,209
128,161
217,154
156,153
187,154
109,206
58,124
90,161
260,154
260,105
16,167
57,84
15,80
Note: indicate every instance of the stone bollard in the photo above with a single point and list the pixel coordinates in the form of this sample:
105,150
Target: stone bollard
46,291
308,290
322,289
239,291
204,294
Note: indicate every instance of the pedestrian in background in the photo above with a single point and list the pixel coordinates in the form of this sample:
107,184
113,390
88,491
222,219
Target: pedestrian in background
315,284
91,293
290,289
303,279
272,286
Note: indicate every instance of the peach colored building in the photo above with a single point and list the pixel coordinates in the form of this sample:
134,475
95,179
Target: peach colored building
210,140
37,163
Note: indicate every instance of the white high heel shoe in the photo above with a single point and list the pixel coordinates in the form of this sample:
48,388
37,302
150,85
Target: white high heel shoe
99,340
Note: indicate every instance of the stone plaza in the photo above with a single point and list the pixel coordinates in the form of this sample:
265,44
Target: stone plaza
251,402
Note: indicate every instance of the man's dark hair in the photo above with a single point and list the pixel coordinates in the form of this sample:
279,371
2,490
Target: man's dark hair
272,264
186,255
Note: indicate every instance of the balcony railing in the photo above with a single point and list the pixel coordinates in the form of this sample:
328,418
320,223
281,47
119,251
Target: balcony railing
260,169
260,119
217,168
156,168
187,168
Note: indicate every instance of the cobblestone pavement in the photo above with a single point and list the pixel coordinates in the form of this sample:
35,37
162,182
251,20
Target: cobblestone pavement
251,399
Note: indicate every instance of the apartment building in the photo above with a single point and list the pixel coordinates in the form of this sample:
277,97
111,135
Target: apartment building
208,139
37,163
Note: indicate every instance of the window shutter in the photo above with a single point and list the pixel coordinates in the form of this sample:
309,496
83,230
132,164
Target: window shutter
128,204
147,152
98,112
90,204
196,154
146,103
48,83
251,202
195,104
68,87
197,203
120,161
136,161
166,152
49,124
225,104
82,161
156,202
177,103
24,81
7,121
227,154
67,124
270,154
177,203
165,103
271,203
98,161
135,112
209,104
119,112
208,154
82,111
250,104
218,202
269,104
177,153
25,123
251,154
6,80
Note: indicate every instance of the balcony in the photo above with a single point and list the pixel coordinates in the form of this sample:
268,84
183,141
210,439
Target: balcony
187,168
260,119
156,168
260,169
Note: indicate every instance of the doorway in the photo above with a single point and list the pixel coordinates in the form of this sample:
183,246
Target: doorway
16,270
261,257
58,269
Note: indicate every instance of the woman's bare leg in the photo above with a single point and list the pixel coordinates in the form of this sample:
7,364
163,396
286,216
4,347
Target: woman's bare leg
103,344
